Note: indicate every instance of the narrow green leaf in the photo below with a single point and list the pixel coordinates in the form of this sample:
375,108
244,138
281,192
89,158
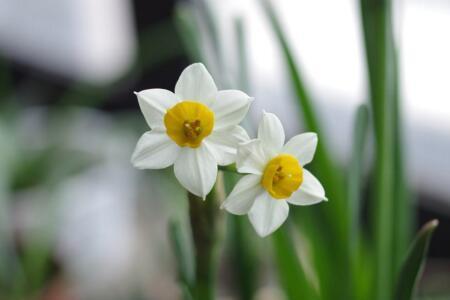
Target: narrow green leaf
37,262
242,237
412,267
242,80
160,43
186,292
213,33
242,249
332,217
403,206
183,254
12,279
186,27
325,169
244,257
354,188
355,173
290,271
324,260
377,25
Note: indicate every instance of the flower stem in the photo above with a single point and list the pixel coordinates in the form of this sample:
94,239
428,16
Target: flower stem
206,222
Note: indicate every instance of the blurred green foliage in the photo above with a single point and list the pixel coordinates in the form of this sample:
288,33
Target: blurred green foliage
335,240
346,261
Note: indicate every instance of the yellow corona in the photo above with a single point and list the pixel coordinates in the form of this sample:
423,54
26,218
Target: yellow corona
282,176
188,123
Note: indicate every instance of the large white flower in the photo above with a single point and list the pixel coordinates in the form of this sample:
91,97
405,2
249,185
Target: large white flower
277,176
195,129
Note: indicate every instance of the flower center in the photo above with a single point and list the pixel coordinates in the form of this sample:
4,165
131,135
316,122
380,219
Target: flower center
282,176
188,123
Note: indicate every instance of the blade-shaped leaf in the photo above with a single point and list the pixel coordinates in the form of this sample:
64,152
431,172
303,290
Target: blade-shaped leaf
355,173
413,265
379,42
403,205
291,274
332,218
355,184
183,254
209,18
243,249
187,30
325,169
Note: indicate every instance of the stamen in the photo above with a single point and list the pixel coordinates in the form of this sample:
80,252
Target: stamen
192,129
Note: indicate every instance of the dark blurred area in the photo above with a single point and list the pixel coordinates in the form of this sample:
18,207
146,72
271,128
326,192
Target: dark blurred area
156,34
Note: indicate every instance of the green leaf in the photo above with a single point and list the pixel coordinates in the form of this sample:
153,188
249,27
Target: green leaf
188,31
331,219
290,271
183,254
325,169
243,79
212,34
37,261
355,173
379,42
403,205
244,257
413,265
242,249
355,183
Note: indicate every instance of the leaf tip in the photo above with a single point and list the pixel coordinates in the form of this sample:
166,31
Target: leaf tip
431,225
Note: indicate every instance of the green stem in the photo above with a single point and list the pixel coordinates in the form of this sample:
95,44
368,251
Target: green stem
206,221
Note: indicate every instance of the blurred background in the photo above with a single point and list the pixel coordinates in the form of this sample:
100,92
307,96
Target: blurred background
78,222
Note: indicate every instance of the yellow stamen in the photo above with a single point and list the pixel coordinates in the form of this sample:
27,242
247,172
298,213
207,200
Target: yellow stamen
188,123
282,176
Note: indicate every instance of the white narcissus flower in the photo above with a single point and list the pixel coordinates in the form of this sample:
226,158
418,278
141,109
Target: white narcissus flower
195,129
277,176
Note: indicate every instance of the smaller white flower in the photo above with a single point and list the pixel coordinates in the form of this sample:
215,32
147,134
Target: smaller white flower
195,129
277,176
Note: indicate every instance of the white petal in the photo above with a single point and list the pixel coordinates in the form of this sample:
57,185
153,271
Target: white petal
154,104
223,144
267,214
271,132
196,170
154,150
251,157
310,191
243,195
195,83
302,146
230,108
